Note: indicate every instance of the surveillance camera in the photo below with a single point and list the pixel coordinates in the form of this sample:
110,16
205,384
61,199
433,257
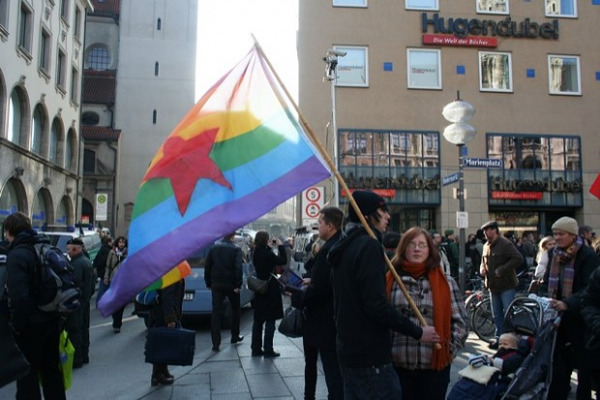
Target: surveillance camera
335,52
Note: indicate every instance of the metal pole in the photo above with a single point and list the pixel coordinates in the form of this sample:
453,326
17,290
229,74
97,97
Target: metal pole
461,206
336,186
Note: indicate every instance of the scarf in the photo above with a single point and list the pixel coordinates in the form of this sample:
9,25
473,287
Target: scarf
442,308
563,266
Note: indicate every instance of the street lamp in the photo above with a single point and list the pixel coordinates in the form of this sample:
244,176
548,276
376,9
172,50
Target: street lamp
331,61
460,112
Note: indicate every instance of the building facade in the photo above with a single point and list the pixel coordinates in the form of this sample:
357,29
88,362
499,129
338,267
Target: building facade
528,69
140,74
41,60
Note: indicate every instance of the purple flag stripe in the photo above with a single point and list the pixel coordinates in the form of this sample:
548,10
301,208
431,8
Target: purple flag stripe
143,267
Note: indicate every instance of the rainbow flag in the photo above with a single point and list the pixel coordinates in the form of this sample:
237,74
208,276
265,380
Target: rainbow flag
235,156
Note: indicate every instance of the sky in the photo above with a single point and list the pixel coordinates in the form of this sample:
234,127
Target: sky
224,38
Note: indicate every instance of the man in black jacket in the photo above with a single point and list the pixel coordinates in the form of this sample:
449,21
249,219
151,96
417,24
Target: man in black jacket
590,312
317,302
37,332
223,276
363,314
78,322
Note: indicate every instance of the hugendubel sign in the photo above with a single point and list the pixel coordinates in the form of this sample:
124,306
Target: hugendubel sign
464,27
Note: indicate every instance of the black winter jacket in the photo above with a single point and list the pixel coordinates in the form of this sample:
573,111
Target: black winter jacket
223,267
268,306
590,311
317,301
22,263
363,314
572,327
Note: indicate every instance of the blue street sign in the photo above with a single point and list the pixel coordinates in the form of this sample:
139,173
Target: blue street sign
482,163
450,179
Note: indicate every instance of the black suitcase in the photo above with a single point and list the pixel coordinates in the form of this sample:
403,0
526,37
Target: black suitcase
170,346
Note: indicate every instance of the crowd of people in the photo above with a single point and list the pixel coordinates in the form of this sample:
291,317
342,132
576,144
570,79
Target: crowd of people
383,310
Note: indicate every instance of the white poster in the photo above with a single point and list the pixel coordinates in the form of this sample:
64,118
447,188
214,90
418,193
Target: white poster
101,207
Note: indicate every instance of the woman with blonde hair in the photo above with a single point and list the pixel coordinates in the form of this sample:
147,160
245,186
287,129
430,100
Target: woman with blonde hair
541,257
424,371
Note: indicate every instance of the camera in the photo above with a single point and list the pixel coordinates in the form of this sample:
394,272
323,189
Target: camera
334,52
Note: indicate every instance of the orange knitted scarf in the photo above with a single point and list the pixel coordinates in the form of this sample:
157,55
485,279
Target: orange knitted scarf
442,307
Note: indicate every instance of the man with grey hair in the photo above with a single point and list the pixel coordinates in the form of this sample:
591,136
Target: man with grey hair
587,233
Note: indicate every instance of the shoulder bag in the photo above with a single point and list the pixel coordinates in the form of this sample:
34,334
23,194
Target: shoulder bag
258,286
292,323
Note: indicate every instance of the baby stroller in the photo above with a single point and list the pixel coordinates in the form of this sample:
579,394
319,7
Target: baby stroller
532,316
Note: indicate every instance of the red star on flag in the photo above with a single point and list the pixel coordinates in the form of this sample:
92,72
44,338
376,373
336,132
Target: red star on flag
184,162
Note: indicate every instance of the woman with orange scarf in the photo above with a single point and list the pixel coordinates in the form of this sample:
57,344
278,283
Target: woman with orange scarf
424,371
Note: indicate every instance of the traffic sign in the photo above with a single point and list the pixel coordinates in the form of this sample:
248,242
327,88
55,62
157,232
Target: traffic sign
462,219
482,162
312,210
312,202
450,179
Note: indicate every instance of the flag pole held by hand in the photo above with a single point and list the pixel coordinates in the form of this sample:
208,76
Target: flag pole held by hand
342,183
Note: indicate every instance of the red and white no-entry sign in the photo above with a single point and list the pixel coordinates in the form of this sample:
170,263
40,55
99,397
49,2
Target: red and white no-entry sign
312,202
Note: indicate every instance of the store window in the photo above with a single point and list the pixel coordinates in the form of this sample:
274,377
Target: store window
539,170
350,3
424,69
492,6
563,75
495,72
561,8
404,164
8,200
353,68
422,5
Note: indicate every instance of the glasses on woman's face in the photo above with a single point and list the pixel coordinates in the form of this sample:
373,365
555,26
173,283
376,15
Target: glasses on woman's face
420,245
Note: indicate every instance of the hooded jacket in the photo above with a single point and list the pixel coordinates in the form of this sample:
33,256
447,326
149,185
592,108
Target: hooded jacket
363,314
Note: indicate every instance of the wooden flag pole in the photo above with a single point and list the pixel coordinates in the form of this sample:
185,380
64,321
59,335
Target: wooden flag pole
342,182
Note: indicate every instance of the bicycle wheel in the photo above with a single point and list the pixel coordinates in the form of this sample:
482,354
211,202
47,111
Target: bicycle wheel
482,321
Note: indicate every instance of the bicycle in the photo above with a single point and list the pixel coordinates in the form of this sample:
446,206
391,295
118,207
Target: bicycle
482,320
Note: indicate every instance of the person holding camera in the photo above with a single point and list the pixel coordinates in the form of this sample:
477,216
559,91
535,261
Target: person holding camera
268,307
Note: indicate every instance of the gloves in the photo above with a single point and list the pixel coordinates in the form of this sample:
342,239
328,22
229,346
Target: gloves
479,360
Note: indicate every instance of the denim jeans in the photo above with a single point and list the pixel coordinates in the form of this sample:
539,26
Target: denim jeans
500,302
371,383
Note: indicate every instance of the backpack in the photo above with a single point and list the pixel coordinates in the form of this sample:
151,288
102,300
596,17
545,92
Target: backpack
56,283
147,298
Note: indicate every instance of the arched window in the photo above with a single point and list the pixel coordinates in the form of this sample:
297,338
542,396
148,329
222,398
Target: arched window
70,149
37,132
90,118
98,58
156,68
14,118
55,138
158,24
154,117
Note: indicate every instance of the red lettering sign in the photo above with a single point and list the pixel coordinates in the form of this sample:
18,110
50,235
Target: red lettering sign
450,40
517,195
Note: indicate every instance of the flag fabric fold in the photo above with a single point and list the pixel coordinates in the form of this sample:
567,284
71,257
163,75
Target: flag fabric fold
237,154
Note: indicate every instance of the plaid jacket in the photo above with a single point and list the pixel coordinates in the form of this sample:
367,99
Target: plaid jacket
410,353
